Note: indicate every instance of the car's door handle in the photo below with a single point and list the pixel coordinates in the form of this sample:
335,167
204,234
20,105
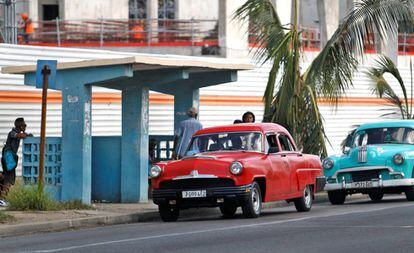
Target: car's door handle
300,154
283,155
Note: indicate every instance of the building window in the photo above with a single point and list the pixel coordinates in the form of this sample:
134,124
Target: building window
166,9
50,12
137,9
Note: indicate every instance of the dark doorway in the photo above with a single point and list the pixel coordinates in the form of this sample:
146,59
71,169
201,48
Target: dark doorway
50,11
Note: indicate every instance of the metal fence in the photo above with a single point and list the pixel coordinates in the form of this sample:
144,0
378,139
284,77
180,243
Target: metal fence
113,32
158,32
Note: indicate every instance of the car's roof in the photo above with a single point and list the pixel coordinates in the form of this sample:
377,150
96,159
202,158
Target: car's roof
261,127
393,123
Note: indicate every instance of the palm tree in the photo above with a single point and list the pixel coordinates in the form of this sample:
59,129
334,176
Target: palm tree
384,90
292,101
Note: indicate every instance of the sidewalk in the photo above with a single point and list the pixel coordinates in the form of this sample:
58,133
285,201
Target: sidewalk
105,214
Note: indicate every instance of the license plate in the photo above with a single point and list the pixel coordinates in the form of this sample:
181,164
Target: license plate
365,184
194,194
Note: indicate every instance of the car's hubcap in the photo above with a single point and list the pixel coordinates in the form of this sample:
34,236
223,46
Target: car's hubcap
307,196
256,200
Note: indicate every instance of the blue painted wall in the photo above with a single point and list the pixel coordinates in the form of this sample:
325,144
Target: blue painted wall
106,163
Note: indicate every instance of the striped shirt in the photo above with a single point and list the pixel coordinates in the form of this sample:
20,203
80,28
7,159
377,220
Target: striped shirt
186,130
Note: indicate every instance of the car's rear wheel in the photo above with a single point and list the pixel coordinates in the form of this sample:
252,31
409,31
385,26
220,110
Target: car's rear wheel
304,203
168,212
336,197
376,196
228,209
253,206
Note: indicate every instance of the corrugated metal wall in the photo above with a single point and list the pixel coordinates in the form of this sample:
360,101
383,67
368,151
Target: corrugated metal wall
250,84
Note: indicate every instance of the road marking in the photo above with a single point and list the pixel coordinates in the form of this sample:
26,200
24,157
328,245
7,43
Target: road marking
217,229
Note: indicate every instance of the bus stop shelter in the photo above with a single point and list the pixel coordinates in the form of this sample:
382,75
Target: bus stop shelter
134,76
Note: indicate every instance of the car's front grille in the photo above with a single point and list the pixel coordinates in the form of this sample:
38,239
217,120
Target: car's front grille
366,175
362,154
193,183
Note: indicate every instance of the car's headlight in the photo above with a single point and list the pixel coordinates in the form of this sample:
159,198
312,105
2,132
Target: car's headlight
236,168
328,164
155,171
398,159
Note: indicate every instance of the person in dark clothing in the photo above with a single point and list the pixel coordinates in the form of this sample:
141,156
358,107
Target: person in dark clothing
237,121
248,117
10,150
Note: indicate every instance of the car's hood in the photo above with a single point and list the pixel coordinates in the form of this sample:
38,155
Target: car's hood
217,163
375,155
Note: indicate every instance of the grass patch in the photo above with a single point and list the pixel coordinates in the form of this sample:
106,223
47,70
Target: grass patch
26,197
5,217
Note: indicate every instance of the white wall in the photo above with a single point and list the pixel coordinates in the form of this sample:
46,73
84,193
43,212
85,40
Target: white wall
94,9
197,9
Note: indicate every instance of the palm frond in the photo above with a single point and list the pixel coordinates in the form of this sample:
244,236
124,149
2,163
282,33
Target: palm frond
386,65
265,24
383,89
331,71
312,131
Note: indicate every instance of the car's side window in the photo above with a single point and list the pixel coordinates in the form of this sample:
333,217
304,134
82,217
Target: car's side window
271,143
285,143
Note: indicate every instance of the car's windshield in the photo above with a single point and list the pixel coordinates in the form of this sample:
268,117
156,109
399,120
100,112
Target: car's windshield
250,141
384,135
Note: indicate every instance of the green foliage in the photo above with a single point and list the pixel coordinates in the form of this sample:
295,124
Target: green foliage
27,197
5,217
384,90
291,99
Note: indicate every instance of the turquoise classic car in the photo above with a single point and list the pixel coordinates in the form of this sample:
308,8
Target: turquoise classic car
379,160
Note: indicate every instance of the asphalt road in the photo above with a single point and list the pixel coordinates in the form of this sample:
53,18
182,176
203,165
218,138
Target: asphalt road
358,226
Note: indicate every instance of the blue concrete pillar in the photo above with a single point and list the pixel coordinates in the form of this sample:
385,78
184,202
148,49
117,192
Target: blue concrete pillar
183,100
134,145
76,142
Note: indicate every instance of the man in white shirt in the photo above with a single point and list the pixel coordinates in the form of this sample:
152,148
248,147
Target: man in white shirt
184,133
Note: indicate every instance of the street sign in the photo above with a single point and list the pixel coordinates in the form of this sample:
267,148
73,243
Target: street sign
51,77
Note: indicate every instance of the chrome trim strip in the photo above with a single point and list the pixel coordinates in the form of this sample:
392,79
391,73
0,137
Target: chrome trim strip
362,169
375,184
199,157
195,176
309,169
398,173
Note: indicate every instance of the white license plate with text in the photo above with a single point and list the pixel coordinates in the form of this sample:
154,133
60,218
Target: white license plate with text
194,194
364,184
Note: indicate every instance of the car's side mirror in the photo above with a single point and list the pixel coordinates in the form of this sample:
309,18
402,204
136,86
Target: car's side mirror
273,150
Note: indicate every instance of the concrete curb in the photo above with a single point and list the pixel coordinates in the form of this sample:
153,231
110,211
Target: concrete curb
61,225
146,216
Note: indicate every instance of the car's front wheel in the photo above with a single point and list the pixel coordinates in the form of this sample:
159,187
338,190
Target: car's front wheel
228,209
168,213
304,203
409,193
376,196
336,197
253,206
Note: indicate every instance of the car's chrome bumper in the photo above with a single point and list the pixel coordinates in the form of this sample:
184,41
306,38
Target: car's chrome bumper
372,184
237,194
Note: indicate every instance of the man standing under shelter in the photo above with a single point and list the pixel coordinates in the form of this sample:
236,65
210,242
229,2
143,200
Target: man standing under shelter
184,133
9,157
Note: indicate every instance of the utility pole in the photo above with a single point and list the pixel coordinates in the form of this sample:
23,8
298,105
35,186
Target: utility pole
45,73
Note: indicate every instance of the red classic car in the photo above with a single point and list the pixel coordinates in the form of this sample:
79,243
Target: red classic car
237,165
